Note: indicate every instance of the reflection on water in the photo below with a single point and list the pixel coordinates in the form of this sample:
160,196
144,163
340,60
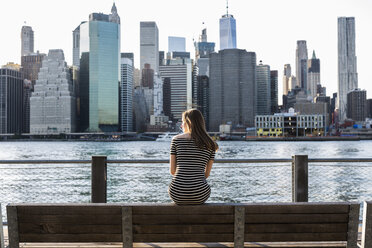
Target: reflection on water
149,183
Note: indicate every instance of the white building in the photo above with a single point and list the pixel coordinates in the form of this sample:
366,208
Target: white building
158,96
27,39
126,94
313,76
347,63
301,64
149,45
286,75
52,104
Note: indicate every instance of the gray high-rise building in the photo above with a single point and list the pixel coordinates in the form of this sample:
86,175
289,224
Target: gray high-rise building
227,31
76,46
301,64
53,103
149,45
274,91
232,88
287,73
203,48
27,40
263,89
126,92
347,63
11,100
356,105
176,44
313,75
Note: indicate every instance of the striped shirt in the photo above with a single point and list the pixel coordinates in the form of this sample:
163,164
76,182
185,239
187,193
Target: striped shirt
189,185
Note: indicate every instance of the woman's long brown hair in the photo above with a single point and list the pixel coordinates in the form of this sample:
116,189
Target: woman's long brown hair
195,121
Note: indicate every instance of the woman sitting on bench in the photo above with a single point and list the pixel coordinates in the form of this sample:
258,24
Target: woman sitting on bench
191,159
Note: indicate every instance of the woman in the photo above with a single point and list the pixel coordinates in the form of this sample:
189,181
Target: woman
191,159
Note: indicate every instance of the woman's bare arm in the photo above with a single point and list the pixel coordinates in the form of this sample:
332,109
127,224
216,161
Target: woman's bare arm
208,168
173,164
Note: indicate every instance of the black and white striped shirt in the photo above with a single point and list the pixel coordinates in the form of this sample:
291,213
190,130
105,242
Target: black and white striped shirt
189,185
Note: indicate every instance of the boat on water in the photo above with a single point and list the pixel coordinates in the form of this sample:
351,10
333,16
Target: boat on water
166,136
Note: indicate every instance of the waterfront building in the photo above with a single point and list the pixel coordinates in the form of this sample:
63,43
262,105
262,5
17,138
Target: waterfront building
287,73
263,89
232,90
126,92
11,100
369,108
27,40
347,63
301,64
356,105
100,72
147,78
53,102
313,76
311,108
149,45
227,31
177,74
176,44
290,124
274,91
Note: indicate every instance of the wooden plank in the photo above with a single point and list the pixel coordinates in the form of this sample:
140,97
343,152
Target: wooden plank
73,219
239,227
296,228
2,242
184,229
296,218
184,210
60,238
69,210
297,209
13,235
367,225
290,237
183,237
182,219
127,227
352,232
53,228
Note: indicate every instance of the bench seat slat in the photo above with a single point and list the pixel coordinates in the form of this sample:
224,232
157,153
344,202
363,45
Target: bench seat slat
296,218
184,219
58,238
297,209
183,237
289,237
186,210
295,228
183,229
51,228
81,219
69,210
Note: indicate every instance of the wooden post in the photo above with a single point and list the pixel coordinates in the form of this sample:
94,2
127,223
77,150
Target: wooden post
99,179
126,216
2,243
367,225
300,178
352,226
13,235
239,227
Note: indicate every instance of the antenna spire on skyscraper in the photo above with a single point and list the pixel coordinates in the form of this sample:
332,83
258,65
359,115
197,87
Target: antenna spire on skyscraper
227,7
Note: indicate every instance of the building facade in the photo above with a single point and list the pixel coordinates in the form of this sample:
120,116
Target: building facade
27,40
126,92
100,72
347,63
53,103
356,105
263,89
149,45
313,76
227,32
176,44
232,88
11,100
287,73
301,64
203,48
274,91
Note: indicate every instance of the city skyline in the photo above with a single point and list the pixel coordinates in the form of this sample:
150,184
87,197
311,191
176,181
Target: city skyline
256,31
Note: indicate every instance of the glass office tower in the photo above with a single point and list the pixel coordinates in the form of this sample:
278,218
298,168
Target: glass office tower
227,32
100,44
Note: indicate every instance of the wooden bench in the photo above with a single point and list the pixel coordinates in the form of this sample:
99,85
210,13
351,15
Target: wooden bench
237,223
367,225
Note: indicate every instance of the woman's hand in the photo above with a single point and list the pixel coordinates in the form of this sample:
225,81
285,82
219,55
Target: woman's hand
173,164
208,168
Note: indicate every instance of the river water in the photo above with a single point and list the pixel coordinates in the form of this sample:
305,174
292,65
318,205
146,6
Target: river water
271,182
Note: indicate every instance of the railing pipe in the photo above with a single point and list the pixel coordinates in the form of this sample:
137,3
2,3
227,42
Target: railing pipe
99,179
2,243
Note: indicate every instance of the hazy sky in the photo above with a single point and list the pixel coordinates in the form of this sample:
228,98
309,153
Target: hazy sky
269,27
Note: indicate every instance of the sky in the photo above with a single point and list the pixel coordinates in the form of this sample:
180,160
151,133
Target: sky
270,28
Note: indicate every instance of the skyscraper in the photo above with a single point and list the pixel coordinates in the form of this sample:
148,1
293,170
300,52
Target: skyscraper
53,103
313,75
27,39
126,92
227,31
176,44
356,105
287,73
100,72
203,48
301,64
232,88
274,91
149,45
347,63
147,79
76,46
263,89
11,100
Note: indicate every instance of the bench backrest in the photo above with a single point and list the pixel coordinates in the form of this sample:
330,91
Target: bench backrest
170,223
